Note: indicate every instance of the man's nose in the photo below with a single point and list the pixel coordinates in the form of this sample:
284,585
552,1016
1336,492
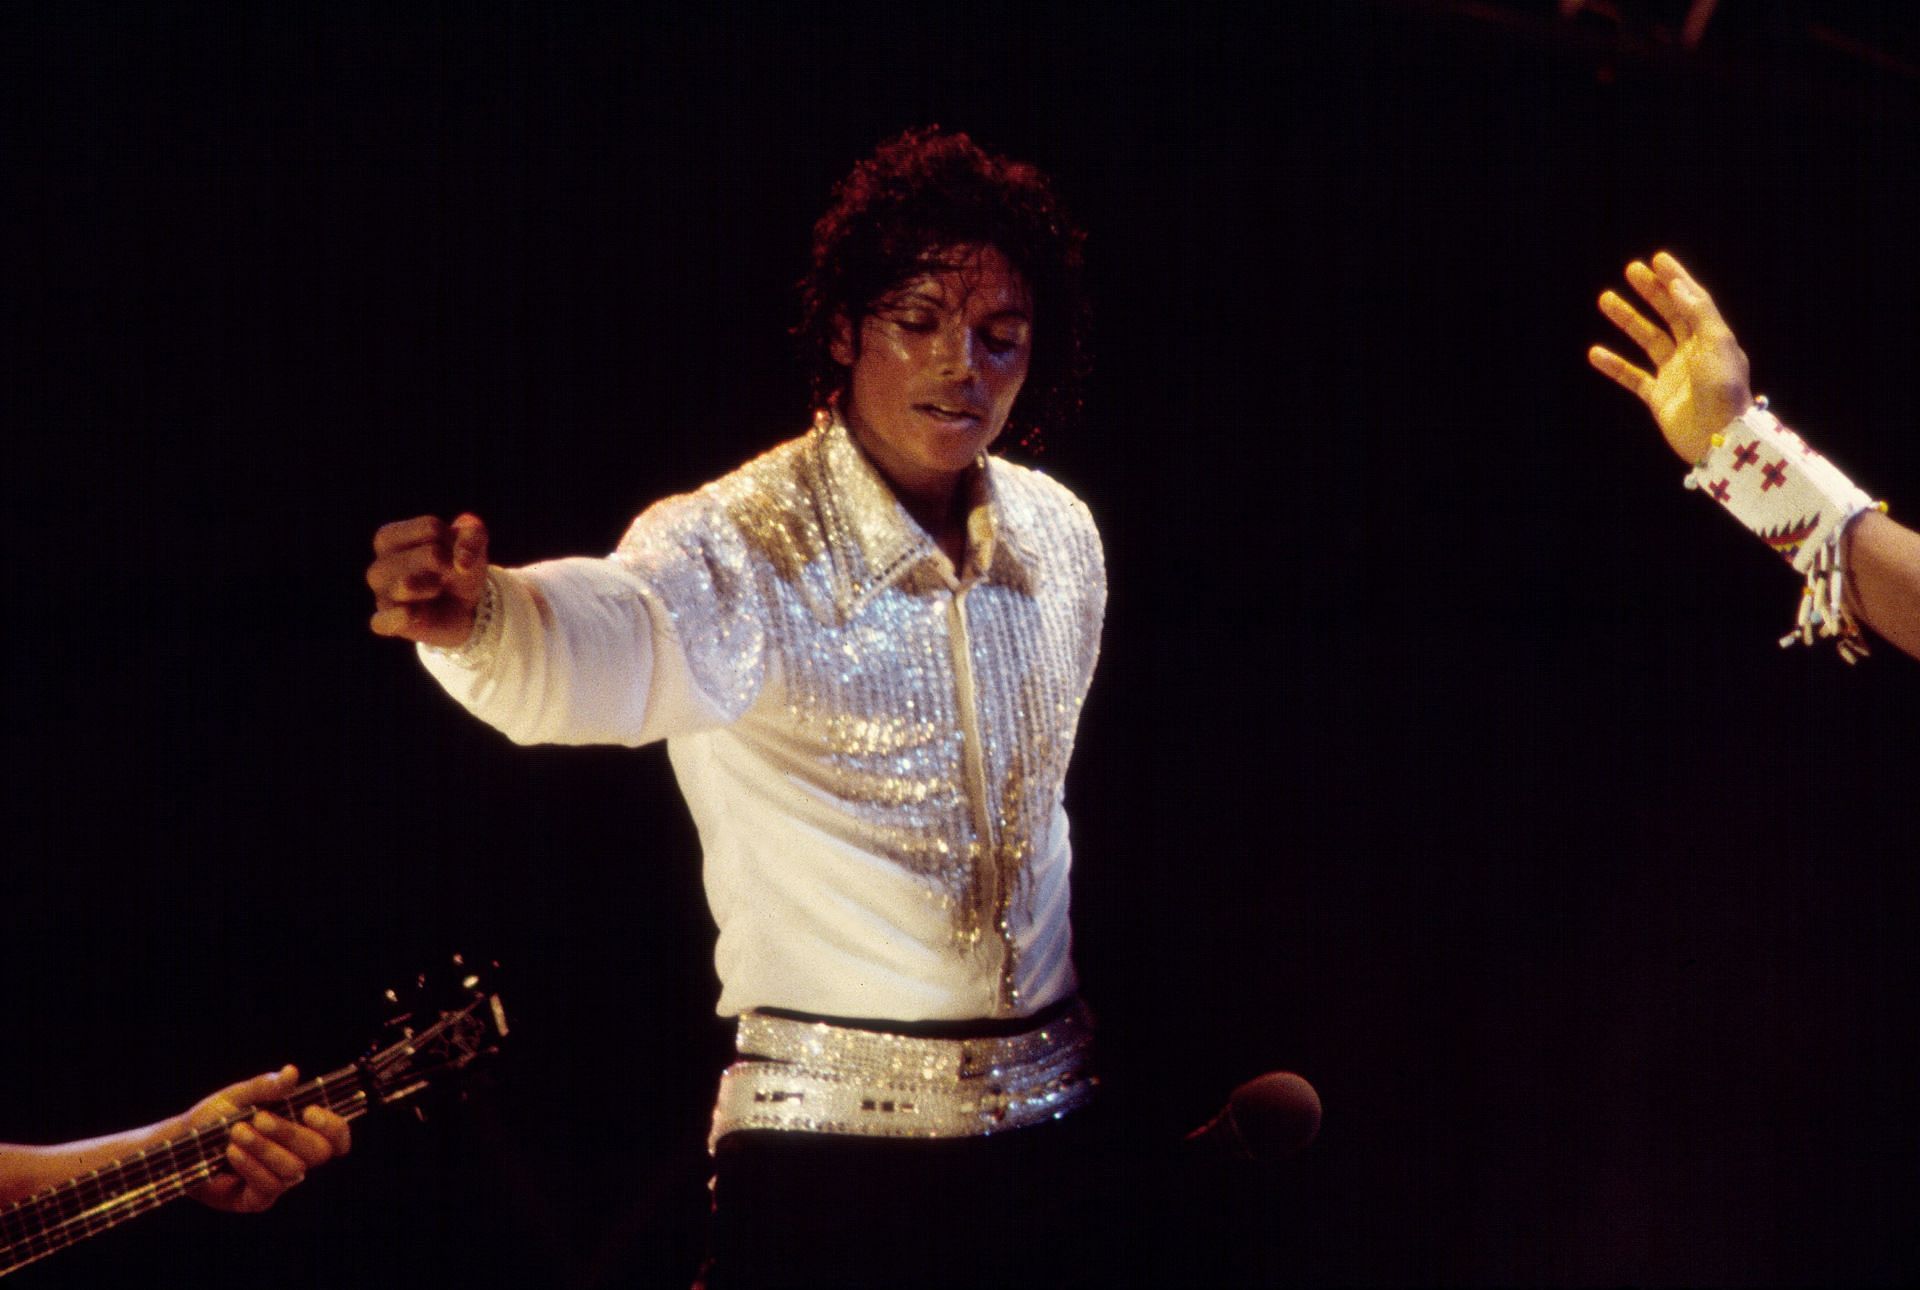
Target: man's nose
955,351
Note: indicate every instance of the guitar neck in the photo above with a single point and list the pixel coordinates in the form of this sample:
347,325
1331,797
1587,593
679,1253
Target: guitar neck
86,1206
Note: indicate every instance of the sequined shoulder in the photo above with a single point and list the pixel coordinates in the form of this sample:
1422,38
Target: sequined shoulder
760,521
762,510
1038,497
1048,521
773,503
712,559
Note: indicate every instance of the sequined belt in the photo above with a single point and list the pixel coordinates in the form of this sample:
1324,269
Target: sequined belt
813,1077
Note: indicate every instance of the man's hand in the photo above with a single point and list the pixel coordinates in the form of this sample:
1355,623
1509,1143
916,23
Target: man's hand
1699,381
266,1153
427,578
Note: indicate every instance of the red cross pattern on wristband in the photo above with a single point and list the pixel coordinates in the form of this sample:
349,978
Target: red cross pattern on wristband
1719,491
1745,455
1775,475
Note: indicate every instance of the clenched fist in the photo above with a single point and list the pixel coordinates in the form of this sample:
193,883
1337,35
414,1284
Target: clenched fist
427,578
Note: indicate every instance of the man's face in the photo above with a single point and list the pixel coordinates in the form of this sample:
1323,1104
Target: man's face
939,362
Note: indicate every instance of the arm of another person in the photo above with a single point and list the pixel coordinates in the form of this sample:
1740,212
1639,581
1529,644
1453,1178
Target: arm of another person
1884,560
267,1154
1699,383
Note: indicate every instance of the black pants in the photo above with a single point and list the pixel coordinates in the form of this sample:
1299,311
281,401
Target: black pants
1057,1204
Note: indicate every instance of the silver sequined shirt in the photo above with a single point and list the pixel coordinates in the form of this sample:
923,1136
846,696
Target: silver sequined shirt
873,748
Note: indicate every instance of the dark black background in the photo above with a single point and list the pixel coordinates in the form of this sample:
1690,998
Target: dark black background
1440,750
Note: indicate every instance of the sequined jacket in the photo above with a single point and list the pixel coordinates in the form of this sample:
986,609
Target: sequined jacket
873,749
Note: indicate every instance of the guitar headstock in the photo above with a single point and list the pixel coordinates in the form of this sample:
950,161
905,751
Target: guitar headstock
439,1028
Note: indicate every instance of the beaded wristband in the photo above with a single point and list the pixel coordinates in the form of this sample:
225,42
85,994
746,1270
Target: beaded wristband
1798,503
477,650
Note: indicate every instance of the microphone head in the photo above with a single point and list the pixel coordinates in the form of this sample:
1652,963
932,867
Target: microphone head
1274,1115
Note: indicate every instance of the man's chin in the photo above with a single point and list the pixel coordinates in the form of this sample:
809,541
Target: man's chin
957,445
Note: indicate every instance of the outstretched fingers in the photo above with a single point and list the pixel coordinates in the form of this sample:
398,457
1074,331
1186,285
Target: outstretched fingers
1648,285
1653,341
1622,373
1699,380
1686,292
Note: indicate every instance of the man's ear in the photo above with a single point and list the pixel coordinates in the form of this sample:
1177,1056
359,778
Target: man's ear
843,348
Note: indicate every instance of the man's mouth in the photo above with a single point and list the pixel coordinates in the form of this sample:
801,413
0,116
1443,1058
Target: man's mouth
953,414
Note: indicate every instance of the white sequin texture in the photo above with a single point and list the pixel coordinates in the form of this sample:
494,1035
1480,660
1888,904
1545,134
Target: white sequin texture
932,716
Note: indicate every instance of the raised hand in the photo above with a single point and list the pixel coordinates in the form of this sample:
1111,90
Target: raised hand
1699,381
427,578
266,1153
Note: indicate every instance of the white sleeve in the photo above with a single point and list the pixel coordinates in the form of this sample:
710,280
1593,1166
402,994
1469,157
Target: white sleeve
663,638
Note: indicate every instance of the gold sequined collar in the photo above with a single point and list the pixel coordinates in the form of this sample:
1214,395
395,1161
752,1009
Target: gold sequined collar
875,542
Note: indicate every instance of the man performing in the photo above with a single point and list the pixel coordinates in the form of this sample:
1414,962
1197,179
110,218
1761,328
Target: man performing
867,651
1858,563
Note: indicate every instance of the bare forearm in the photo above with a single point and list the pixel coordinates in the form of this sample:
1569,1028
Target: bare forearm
1883,589
25,1170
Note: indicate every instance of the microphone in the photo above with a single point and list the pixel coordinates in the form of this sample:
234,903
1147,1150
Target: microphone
1268,1118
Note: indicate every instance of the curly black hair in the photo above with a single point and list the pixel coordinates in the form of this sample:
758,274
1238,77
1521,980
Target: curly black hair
903,211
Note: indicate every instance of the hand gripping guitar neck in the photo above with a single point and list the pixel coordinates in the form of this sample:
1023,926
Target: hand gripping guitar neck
431,1045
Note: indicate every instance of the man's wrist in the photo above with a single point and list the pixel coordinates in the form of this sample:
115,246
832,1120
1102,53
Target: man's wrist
483,636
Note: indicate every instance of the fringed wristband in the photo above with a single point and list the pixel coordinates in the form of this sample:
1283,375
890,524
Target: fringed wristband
1798,503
